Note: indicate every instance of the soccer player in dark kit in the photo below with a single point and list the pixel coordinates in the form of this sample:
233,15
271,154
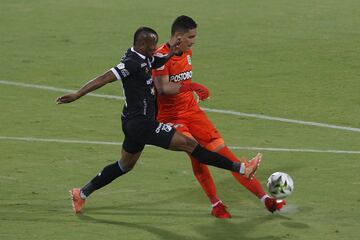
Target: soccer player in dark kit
138,117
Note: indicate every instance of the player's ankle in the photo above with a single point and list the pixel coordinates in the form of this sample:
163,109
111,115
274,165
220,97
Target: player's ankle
82,195
237,167
214,200
216,203
263,198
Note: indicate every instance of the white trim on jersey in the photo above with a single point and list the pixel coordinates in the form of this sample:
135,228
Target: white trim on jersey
124,96
116,73
142,56
150,62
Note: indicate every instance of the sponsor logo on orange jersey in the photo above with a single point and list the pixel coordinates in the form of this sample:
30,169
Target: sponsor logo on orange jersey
181,76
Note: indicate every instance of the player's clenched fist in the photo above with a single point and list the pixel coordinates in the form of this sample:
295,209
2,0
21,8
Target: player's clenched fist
199,89
68,98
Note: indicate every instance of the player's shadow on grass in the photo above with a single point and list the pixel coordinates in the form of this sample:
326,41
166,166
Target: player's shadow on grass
157,208
141,211
228,229
157,231
214,229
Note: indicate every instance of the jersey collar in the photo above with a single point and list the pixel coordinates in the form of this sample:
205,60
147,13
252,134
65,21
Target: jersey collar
142,56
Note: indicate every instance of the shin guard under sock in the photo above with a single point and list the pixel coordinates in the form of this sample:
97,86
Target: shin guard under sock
106,176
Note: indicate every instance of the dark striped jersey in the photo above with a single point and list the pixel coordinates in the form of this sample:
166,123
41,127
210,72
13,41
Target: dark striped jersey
134,70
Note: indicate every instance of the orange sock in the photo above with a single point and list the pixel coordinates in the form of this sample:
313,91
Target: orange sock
252,185
205,179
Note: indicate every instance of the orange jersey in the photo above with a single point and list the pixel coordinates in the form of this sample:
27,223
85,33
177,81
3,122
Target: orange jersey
179,69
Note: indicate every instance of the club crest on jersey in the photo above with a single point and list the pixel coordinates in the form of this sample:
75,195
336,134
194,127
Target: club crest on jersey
189,59
121,66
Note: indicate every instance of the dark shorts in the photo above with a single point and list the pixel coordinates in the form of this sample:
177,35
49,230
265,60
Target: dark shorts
141,130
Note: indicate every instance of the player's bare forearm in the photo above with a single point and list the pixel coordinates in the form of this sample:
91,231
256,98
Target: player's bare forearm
165,87
96,83
90,86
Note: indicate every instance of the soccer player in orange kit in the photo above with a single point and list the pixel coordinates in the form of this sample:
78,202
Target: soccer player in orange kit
177,106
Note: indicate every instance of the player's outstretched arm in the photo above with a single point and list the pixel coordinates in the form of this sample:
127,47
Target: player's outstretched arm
92,85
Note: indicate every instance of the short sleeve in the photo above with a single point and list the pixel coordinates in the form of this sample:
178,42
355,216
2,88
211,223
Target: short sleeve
125,69
163,70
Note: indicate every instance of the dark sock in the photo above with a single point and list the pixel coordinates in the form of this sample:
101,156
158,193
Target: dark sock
214,159
106,176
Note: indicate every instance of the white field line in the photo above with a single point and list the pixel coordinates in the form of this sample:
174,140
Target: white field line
33,139
324,125
55,89
228,112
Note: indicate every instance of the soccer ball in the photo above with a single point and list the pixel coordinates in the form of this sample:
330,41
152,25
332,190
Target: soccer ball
280,185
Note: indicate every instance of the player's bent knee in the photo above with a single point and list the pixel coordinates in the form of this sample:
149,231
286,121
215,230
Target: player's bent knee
215,145
128,160
180,142
125,165
191,142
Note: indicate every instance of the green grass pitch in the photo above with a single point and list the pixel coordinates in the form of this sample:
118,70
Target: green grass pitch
288,59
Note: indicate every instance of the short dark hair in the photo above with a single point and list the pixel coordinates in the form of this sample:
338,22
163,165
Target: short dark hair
183,24
141,32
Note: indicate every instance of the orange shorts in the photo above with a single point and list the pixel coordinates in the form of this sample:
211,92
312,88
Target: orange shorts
198,126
